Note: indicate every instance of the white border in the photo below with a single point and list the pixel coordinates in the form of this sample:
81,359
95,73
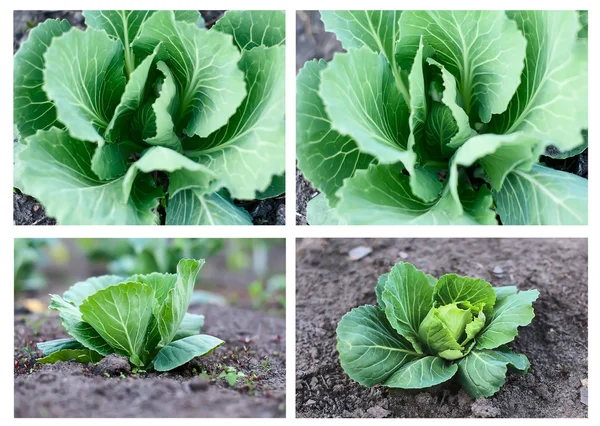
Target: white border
290,231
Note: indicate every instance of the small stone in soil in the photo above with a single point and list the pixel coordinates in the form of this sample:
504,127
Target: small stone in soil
498,270
114,365
403,255
310,402
359,252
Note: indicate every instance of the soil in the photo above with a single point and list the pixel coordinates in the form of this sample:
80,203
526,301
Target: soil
193,390
263,212
313,42
304,193
329,284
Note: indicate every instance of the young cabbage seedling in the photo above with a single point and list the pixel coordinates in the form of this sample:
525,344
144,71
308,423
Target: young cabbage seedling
425,331
142,317
441,117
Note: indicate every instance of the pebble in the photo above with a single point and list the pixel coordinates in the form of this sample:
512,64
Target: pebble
404,255
313,383
359,252
498,270
310,402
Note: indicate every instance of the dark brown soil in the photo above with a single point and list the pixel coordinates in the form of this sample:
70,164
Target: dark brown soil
193,390
329,284
264,212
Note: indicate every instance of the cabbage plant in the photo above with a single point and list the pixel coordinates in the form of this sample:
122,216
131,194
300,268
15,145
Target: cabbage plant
441,117
148,111
141,317
425,331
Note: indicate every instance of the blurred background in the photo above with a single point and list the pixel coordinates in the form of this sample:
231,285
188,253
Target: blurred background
248,273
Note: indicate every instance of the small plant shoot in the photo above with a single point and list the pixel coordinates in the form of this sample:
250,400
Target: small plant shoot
446,118
147,117
142,317
425,331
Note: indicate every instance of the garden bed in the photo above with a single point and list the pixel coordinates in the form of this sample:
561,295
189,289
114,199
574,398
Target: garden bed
329,284
193,390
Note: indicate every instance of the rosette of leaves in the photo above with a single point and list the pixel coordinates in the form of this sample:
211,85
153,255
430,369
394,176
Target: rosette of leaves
425,331
441,117
142,317
149,108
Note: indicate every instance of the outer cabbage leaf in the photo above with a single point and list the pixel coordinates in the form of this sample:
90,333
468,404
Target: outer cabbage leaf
79,291
252,28
172,311
484,50
382,195
33,110
121,315
247,152
552,100
370,349
86,86
320,212
204,64
80,355
325,156
56,169
407,297
510,313
193,207
482,373
422,373
275,188
181,351
56,345
190,326
543,196
79,329
363,102
504,291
